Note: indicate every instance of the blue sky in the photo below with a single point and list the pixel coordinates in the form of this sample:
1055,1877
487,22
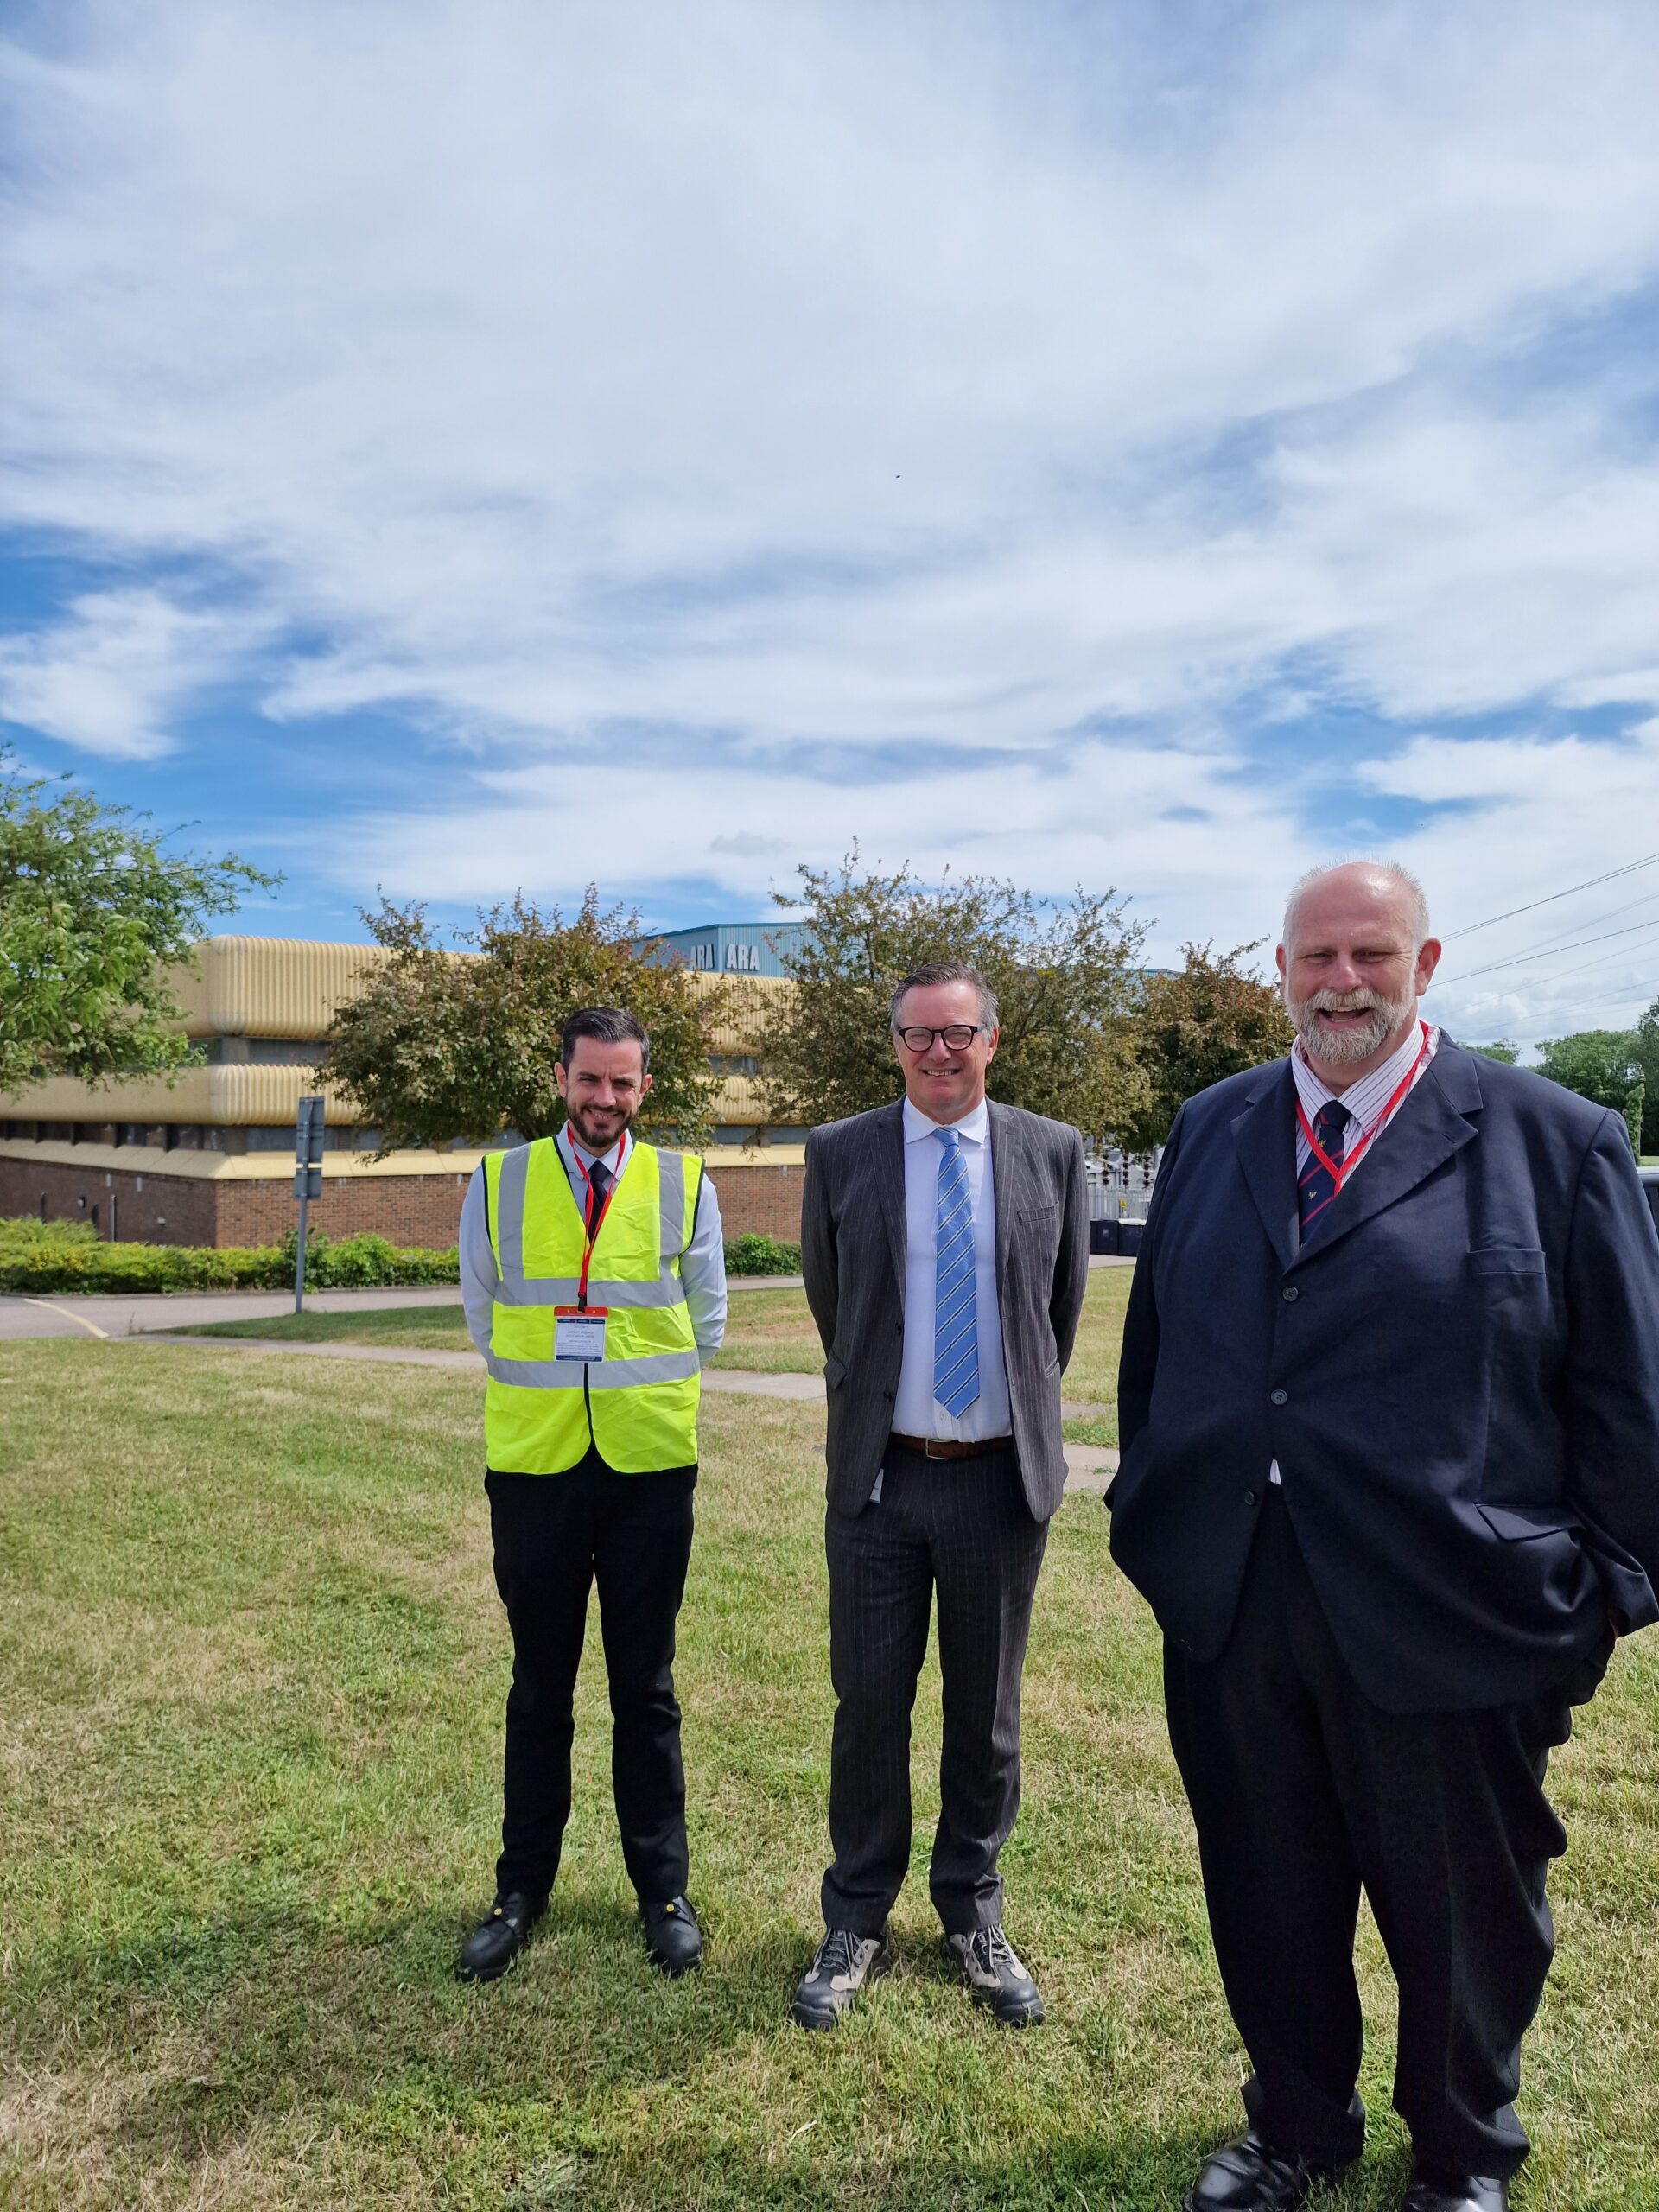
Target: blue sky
452,448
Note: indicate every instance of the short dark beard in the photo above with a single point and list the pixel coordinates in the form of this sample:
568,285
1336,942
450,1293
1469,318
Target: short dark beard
573,1116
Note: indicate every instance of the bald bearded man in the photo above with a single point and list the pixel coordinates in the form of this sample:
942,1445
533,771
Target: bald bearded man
1390,1418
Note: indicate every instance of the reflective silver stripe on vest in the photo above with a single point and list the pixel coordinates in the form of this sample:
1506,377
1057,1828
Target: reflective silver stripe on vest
670,1173
516,1288
509,1213
561,1290
602,1375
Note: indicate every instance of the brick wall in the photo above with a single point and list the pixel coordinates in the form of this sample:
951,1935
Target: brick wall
765,1201
148,1209
409,1209
422,1210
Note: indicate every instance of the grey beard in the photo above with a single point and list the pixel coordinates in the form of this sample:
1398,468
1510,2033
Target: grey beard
1341,1048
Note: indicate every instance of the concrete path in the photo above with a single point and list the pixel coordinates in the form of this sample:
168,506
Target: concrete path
1088,1466
113,1315
137,1314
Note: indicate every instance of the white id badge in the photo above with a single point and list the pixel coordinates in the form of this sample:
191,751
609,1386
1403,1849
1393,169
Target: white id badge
578,1332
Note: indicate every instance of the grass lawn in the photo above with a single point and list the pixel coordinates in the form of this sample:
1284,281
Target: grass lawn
249,1773
770,1331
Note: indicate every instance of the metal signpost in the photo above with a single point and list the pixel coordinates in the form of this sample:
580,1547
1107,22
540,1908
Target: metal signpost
308,1180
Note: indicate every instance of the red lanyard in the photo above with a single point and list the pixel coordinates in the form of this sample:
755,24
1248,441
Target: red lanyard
598,1220
1349,1159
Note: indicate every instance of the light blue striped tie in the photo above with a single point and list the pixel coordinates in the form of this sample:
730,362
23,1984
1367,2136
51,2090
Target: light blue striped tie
956,1325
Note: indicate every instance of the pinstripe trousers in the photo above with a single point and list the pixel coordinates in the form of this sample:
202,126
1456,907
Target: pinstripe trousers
962,1528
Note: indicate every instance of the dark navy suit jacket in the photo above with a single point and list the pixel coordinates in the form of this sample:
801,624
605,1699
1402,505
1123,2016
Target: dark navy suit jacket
1458,1376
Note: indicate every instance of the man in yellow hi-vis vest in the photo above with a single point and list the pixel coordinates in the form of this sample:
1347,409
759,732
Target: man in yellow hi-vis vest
593,1278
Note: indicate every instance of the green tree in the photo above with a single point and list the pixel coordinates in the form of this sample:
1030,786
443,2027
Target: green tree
1501,1048
1213,1018
96,918
1647,1051
1604,1065
1066,980
442,1045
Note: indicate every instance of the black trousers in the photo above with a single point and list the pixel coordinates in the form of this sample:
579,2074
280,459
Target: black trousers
554,1536
1302,1792
960,1528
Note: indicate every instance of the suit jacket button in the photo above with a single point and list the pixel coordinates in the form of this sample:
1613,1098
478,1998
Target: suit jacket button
1290,1293
1249,1498
1279,1397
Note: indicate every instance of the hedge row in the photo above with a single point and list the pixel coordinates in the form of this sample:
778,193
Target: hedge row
750,1254
38,1258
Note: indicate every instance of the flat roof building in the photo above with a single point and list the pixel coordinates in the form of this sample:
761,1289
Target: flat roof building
209,1160
730,948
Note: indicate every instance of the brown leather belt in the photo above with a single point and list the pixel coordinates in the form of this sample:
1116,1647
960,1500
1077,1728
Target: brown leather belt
946,1447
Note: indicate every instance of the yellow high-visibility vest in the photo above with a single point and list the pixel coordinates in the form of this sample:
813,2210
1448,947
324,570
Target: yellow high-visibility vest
638,1404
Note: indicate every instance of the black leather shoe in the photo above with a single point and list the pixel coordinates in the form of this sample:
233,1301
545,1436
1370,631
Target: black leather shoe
1437,2192
993,1971
672,1936
1253,2175
844,1964
499,1938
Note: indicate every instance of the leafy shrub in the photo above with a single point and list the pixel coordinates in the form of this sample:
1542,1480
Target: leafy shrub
38,1259
750,1254
366,1262
23,1233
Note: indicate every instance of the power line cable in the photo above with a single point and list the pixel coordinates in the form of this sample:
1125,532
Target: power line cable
1602,998
1550,951
1593,921
1564,942
1589,884
1600,961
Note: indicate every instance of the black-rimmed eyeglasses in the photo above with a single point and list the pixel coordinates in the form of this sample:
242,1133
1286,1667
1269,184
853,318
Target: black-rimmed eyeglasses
957,1035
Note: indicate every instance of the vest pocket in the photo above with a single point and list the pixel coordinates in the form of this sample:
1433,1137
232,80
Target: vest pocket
522,1333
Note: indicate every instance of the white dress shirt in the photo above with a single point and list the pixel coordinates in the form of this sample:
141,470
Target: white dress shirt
916,1411
1364,1100
702,1264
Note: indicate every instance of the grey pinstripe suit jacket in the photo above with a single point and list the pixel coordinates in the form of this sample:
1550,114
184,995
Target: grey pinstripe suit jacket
853,1258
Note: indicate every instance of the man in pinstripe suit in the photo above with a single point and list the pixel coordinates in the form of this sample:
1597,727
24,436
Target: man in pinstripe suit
944,1242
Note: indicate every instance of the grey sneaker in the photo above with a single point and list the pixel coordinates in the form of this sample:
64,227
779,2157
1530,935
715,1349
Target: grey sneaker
845,1962
993,1970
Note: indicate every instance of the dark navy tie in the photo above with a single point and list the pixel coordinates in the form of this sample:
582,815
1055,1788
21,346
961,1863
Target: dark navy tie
599,1181
1317,1187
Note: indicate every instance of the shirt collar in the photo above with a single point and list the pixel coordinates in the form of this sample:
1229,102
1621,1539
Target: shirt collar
1371,1089
975,1127
579,1153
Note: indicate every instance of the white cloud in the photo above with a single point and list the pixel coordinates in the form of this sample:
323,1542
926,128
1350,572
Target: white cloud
106,676
1547,812
854,374
463,331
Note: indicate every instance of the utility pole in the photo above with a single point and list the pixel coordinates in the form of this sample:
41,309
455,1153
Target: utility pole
308,1180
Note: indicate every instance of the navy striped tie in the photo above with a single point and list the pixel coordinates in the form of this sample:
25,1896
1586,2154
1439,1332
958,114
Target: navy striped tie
1317,1187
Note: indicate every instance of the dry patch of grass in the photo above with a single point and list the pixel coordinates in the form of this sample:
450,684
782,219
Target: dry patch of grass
250,1757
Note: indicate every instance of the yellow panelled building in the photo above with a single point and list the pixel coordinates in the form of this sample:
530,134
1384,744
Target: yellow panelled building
210,1159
